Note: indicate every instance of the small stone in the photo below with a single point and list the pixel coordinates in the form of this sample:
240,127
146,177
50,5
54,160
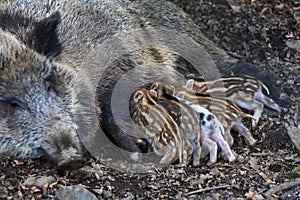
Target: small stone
294,133
214,171
240,159
3,192
77,192
39,181
293,44
290,81
284,96
129,196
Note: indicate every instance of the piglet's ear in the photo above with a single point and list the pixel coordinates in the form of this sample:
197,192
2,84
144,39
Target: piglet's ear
180,95
137,96
153,93
190,85
170,90
154,86
43,37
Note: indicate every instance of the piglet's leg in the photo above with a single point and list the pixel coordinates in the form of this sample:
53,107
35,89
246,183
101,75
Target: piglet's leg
197,149
251,104
188,150
169,157
228,137
213,150
259,96
257,113
185,155
196,156
257,109
226,149
245,132
218,137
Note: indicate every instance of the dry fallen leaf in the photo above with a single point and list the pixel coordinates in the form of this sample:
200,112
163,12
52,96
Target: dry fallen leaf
253,162
18,162
214,171
97,176
268,180
162,196
251,194
265,9
243,172
154,187
38,196
280,6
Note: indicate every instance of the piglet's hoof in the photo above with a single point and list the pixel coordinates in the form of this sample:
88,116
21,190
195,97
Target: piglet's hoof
232,159
210,163
196,163
251,142
240,159
180,165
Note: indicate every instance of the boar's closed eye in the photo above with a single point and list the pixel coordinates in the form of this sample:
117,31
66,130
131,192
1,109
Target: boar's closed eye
10,107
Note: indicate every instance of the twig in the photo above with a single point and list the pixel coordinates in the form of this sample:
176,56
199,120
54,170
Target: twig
282,186
206,189
260,154
235,55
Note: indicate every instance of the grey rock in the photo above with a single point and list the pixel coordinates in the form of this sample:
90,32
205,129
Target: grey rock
129,196
3,192
39,181
294,133
284,96
77,192
293,44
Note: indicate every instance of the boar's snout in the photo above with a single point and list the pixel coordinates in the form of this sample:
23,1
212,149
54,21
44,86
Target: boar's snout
61,143
64,153
71,162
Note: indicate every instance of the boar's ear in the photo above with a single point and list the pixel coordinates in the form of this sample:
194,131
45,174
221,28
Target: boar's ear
43,37
189,85
138,95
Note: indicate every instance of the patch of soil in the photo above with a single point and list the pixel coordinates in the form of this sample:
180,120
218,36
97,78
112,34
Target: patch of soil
257,31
